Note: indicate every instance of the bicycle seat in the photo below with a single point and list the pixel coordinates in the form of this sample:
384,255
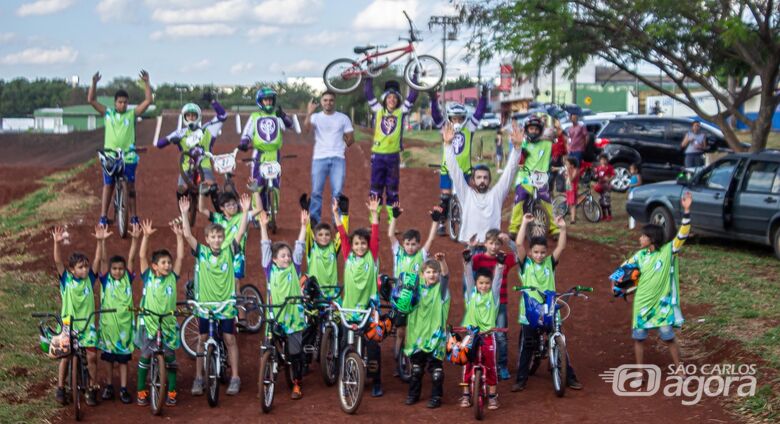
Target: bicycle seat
360,50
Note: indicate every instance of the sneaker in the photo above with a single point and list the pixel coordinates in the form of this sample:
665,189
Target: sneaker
503,374
441,230
296,391
234,386
411,400
377,391
465,401
103,221
493,402
574,384
197,386
435,402
171,400
92,394
142,398
124,396
518,387
59,396
108,392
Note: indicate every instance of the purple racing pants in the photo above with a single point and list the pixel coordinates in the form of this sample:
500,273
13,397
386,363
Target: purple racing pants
385,176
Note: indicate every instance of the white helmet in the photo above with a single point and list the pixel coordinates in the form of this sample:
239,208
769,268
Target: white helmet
191,108
457,110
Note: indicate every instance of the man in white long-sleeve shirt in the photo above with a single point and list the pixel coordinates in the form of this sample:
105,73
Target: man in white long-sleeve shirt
480,204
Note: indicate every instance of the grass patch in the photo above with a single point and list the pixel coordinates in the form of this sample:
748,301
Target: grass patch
736,282
27,376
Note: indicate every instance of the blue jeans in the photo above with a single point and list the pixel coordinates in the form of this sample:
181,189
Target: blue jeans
501,343
334,167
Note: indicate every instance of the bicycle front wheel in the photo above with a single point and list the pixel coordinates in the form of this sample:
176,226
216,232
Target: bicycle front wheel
190,335
404,367
157,383
558,360
120,210
328,360
541,221
478,395
266,381
591,209
193,212
253,314
453,219
560,208
212,376
351,381
342,75
424,73
76,384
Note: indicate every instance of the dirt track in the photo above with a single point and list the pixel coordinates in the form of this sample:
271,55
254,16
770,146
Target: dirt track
598,334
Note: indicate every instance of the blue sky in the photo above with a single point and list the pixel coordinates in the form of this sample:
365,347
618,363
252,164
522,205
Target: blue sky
207,41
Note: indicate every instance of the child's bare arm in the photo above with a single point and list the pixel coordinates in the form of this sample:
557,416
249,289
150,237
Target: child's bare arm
135,232
521,234
432,230
177,263
246,203
561,238
304,225
263,219
202,208
184,207
442,263
101,234
104,260
147,229
57,236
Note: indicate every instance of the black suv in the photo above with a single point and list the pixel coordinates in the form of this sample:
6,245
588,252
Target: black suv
652,141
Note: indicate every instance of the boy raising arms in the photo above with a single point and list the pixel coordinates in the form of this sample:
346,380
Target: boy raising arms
120,134
215,281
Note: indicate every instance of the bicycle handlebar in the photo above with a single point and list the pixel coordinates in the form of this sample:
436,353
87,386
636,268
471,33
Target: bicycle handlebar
86,320
492,330
199,306
574,291
366,314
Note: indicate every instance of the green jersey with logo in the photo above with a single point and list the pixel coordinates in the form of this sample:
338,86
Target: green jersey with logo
360,281
541,276
284,282
267,134
388,131
537,158
116,329
120,133
159,296
461,144
215,280
78,302
427,323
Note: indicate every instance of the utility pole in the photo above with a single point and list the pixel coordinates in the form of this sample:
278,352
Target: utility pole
444,21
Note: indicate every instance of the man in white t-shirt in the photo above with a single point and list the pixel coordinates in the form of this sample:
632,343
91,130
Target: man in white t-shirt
333,133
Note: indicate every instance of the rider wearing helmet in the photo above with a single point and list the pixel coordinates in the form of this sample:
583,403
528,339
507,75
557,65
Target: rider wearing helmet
537,152
465,127
197,139
263,132
389,118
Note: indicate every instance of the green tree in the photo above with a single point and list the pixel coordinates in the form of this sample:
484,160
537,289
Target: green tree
461,82
731,49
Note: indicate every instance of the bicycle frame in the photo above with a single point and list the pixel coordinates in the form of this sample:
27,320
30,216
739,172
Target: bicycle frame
215,335
368,58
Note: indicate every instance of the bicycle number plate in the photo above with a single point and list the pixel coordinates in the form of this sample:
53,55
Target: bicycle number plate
224,163
539,179
270,170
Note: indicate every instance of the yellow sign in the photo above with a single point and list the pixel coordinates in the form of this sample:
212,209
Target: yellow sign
588,101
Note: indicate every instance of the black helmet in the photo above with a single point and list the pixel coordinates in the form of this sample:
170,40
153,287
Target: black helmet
534,120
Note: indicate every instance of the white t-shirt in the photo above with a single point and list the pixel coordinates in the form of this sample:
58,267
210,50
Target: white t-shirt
329,134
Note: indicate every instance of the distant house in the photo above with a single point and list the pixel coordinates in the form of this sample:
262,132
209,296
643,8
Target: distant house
74,118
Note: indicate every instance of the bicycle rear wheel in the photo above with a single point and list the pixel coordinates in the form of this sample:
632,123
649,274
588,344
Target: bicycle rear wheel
253,314
478,395
558,359
541,221
453,219
120,210
157,383
342,75
328,360
190,335
212,376
76,384
591,209
429,72
351,382
266,381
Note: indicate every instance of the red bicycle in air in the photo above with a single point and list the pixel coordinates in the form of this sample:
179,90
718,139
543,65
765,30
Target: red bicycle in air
422,72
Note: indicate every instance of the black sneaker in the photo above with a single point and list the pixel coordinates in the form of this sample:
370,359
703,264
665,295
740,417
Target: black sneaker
92,397
108,392
411,400
435,402
124,396
518,387
574,384
59,395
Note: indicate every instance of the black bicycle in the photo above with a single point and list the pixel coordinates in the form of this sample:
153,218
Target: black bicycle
273,355
112,161
321,339
78,372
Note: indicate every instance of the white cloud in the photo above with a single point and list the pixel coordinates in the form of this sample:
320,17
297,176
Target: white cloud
197,66
221,11
241,67
262,31
5,37
192,31
385,14
300,67
288,12
115,10
38,56
325,38
43,7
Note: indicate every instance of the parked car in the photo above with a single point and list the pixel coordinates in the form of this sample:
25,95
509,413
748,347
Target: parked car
490,121
736,197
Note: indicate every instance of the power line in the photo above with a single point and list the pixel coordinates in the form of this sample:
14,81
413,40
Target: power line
444,22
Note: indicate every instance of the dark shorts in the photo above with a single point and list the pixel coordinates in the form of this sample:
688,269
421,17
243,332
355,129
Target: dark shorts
228,326
129,174
115,357
385,176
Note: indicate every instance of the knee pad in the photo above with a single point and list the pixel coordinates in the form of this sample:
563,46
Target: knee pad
417,370
437,376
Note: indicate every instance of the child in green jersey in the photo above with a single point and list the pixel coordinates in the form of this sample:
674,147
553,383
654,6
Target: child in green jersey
657,296
76,282
361,279
116,329
159,296
482,298
215,281
282,267
426,339
537,269
322,248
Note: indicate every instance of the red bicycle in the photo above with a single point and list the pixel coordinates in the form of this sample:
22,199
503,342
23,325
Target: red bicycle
478,384
422,72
